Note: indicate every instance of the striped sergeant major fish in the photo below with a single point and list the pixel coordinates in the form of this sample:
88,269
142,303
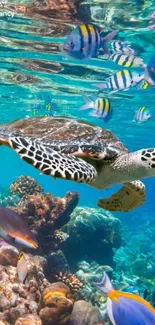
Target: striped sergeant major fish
126,308
121,80
85,40
101,107
121,47
127,60
142,115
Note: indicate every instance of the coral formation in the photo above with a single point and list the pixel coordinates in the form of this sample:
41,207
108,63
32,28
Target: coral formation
71,280
92,235
18,299
45,215
25,185
57,304
29,319
8,255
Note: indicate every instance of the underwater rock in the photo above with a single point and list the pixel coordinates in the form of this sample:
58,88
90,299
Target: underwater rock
85,314
29,319
46,214
8,255
57,304
56,263
92,236
25,185
60,10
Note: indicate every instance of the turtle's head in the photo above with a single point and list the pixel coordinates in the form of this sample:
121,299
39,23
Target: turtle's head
142,162
135,165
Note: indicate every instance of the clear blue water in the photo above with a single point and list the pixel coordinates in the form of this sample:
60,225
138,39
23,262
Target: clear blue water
34,73
34,70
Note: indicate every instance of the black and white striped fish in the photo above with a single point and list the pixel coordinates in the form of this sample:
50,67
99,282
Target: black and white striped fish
127,60
121,47
101,107
121,80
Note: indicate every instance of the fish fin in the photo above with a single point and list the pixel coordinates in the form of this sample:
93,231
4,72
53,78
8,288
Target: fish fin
89,103
105,285
113,91
100,86
93,113
22,268
107,39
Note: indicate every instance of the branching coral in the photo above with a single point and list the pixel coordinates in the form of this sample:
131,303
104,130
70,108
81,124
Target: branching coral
45,215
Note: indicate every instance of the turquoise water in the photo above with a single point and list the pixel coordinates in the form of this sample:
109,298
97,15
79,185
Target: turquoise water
35,73
34,70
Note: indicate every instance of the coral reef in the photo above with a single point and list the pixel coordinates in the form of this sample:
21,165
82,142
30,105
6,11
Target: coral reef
92,236
8,255
18,299
29,319
24,186
57,304
71,280
45,215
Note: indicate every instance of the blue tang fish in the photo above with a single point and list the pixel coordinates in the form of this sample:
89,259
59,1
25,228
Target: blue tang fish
142,115
85,40
101,107
126,308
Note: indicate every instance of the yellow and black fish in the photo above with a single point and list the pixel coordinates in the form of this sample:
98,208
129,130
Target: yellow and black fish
127,60
85,40
101,107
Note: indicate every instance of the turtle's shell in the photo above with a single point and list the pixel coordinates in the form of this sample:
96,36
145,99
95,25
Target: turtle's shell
67,135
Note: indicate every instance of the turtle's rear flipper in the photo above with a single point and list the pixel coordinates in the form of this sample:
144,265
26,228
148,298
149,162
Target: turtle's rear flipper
129,197
51,162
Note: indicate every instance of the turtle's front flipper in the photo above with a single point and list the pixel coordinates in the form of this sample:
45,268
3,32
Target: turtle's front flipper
129,197
51,162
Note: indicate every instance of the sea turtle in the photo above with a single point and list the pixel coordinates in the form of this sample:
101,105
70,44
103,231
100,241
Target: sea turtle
76,150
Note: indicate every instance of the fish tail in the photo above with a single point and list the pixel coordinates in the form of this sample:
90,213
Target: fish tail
107,39
105,285
89,103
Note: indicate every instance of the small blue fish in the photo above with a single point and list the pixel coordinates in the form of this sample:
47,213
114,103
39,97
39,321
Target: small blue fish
101,107
142,115
121,80
85,40
126,308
